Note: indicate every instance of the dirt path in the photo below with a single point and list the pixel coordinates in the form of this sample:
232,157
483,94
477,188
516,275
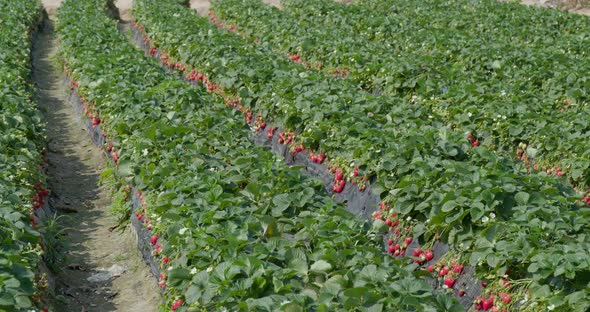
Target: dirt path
103,270
202,6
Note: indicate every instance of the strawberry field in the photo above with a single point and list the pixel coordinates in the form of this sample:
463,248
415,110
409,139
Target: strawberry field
22,191
375,156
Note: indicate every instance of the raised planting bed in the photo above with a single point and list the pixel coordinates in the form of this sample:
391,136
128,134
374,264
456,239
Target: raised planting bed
514,81
23,194
485,205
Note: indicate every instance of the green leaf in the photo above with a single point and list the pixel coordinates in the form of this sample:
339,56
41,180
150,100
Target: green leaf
522,198
321,266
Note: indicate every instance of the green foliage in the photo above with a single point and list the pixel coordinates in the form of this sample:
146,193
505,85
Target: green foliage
499,216
243,231
20,146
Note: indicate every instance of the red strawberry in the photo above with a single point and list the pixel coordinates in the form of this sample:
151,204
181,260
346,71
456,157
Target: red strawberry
430,268
487,304
154,239
408,240
506,298
356,172
391,249
461,293
417,252
166,260
457,268
429,255
390,242
475,143
176,305
339,175
449,282
396,253
388,222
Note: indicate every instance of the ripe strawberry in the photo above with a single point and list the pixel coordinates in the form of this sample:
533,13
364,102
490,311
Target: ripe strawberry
388,222
429,255
449,282
355,172
506,298
390,242
430,268
339,175
475,143
461,293
166,260
154,239
397,253
457,268
487,304
176,305
408,240
391,249
417,252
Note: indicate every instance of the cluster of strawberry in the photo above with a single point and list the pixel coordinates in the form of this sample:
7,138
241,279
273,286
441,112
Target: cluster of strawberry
270,132
499,297
92,113
219,23
40,285
339,181
286,137
522,155
41,193
448,272
340,73
317,158
360,181
259,123
297,148
474,142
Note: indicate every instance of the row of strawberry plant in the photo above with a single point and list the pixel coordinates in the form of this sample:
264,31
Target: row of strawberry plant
494,85
231,225
480,205
21,162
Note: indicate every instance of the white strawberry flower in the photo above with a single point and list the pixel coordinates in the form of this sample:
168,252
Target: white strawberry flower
210,269
145,152
182,231
485,219
194,271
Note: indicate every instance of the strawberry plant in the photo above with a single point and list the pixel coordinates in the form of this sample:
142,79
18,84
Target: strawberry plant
444,184
22,193
503,79
230,225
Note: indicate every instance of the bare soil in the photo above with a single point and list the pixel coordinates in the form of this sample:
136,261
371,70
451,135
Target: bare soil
102,270
202,6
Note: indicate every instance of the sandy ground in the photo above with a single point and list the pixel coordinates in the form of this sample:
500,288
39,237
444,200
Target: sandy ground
125,7
202,6
74,171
